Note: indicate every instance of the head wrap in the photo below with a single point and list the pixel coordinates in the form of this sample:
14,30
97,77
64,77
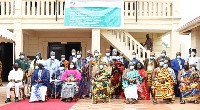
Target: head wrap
52,52
39,53
41,62
62,56
107,50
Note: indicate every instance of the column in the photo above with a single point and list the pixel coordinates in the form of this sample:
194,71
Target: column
83,46
176,9
18,39
95,40
18,7
45,50
175,41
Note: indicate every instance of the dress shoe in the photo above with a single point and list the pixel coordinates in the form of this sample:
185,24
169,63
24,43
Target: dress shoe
16,100
8,100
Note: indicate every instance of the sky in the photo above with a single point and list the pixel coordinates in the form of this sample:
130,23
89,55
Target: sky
189,9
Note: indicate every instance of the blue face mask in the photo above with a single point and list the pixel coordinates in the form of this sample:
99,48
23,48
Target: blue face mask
37,57
22,56
178,57
151,58
161,63
131,67
165,65
163,54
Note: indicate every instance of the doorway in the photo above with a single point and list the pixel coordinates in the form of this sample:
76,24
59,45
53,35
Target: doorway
63,49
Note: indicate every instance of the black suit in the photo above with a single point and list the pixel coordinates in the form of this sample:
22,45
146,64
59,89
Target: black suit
125,62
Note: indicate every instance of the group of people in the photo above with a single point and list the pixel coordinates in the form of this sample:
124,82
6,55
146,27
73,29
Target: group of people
111,76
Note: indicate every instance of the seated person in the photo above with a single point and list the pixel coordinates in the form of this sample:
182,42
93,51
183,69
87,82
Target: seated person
131,78
70,87
58,83
15,77
39,83
101,78
188,84
163,83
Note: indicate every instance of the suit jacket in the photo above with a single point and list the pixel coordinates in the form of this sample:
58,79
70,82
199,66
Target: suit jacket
166,58
176,66
146,62
70,59
125,62
45,77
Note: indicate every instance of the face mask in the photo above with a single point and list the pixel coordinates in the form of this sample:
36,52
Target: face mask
53,57
101,67
139,66
165,65
134,56
37,57
131,67
78,56
61,68
178,57
40,66
62,59
121,57
107,54
73,53
16,68
22,56
71,66
192,53
36,67
114,57
161,63
163,54
186,67
193,68
114,53
151,58
96,54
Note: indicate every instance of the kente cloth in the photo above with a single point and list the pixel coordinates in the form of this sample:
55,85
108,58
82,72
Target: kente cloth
143,94
115,81
166,90
189,92
29,89
102,90
150,68
66,63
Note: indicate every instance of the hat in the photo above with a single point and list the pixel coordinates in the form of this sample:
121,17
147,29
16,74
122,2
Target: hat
62,56
152,53
21,53
39,53
52,52
41,62
107,50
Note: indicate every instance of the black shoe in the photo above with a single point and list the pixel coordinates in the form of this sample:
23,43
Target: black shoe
40,101
16,100
63,100
8,100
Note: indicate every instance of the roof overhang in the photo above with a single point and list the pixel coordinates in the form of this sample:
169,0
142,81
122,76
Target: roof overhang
6,35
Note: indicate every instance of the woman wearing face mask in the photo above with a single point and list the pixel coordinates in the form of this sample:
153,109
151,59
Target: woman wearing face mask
130,79
70,87
100,87
143,93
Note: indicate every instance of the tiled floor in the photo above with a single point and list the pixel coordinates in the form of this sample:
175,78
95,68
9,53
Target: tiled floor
117,104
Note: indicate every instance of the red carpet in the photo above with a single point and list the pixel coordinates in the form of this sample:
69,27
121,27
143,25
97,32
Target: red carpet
52,104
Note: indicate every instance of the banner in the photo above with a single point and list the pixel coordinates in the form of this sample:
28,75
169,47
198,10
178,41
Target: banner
94,13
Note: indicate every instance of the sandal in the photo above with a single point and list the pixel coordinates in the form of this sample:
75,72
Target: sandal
95,102
127,102
133,102
182,102
168,102
104,102
196,102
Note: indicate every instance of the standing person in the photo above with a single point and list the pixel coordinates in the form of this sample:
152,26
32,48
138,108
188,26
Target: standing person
70,87
150,64
39,83
15,78
107,58
64,62
89,56
80,65
114,55
149,43
188,84
143,93
194,59
123,60
52,65
177,64
164,57
0,74
73,57
37,58
134,60
131,78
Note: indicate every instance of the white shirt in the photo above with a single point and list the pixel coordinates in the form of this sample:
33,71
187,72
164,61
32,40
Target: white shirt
16,75
195,60
107,59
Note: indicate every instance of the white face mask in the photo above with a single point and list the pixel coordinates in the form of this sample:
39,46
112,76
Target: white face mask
37,57
101,66
96,54
78,56
134,56
73,53
107,54
193,68
114,57
192,54
131,67
52,57
36,67
22,56
61,68
71,66
121,57
62,59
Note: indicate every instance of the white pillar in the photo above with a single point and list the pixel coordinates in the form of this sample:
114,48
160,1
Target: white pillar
95,40
18,39
175,41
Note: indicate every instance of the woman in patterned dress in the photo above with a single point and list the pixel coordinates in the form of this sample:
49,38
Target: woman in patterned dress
70,88
143,93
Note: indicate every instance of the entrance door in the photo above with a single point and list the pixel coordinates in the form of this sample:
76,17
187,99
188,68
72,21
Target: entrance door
63,49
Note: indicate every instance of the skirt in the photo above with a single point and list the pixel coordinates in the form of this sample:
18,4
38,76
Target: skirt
131,92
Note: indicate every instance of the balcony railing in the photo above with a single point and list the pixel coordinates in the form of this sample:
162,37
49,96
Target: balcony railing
141,8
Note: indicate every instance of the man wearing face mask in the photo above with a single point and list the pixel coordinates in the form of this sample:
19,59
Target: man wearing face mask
194,59
73,57
58,83
64,62
134,60
163,83
164,57
37,58
123,60
15,80
52,65
107,58
39,83
177,64
150,64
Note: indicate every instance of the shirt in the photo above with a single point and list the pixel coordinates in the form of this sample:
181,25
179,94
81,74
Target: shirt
16,75
23,64
39,74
